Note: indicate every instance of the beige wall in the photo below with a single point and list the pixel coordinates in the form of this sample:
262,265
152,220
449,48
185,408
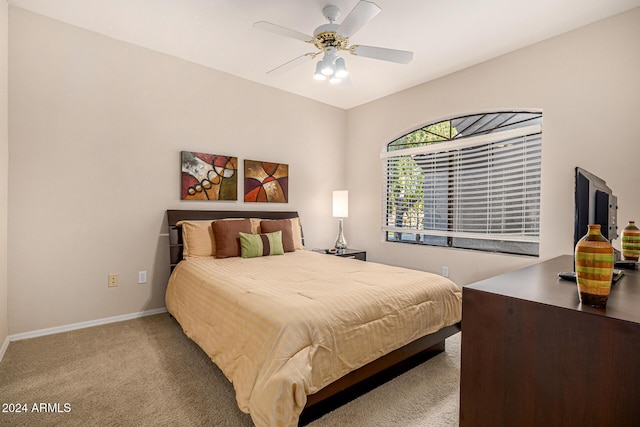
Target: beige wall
96,130
4,168
586,82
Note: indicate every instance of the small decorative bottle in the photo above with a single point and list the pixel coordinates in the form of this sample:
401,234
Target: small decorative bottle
594,267
631,242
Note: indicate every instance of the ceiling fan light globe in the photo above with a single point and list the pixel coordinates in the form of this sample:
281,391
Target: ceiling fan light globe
341,69
334,80
327,67
341,75
327,71
318,74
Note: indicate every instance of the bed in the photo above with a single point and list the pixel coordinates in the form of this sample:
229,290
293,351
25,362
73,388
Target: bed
293,329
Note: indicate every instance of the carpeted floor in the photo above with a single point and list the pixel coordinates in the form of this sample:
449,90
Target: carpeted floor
147,372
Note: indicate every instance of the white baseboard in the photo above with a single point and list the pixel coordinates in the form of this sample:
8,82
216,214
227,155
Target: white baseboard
81,325
3,348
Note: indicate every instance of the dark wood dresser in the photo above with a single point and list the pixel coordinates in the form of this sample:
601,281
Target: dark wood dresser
532,355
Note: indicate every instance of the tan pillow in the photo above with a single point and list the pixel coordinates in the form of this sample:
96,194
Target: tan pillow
197,238
255,225
284,225
226,234
297,233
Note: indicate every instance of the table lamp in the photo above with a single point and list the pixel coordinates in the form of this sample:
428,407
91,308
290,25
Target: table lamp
341,210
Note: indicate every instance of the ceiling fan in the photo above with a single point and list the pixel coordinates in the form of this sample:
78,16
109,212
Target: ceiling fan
331,39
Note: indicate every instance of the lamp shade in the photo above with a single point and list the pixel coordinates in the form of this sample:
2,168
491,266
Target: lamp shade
341,203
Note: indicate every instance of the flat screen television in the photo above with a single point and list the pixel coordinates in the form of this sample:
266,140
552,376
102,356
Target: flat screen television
595,204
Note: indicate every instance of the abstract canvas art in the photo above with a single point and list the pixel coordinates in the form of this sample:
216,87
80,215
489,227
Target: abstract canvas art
209,176
266,182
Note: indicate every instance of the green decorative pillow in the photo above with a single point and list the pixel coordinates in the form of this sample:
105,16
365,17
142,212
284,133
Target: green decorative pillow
254,245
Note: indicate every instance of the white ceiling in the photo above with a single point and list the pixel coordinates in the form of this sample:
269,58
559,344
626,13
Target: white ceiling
445,35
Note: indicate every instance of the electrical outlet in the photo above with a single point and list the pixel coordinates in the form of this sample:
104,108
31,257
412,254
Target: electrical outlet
142,277
112,280
445,271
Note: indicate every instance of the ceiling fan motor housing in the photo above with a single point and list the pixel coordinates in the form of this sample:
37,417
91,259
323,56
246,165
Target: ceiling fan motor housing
331,12
329,38
327,35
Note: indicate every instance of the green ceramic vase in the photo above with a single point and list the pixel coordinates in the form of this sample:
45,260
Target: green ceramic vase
631,242
594,267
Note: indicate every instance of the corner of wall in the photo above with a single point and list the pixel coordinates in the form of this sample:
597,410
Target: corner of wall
4,172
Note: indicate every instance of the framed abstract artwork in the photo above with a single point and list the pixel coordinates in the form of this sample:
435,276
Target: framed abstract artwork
209,176
266,182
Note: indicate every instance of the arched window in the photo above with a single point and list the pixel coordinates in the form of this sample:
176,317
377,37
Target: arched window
470,182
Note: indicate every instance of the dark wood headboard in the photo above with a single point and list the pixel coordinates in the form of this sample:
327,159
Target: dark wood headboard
175,231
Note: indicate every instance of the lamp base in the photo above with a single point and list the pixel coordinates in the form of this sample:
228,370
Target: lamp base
341,242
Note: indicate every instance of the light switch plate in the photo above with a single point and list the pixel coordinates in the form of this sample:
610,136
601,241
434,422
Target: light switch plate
142,277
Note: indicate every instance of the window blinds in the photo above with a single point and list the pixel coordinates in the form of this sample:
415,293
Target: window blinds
484,187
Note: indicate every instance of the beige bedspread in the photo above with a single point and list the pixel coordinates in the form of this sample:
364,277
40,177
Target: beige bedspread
282,327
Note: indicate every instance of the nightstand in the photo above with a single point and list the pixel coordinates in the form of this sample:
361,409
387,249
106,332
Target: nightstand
347,253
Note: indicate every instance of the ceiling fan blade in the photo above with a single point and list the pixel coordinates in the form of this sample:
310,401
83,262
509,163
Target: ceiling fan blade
289,65
391,55
282,31
362,13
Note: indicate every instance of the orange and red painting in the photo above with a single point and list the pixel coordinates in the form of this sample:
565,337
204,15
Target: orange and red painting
209,176
266,182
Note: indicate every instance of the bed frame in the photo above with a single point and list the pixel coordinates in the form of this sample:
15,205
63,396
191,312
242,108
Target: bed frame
354,383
